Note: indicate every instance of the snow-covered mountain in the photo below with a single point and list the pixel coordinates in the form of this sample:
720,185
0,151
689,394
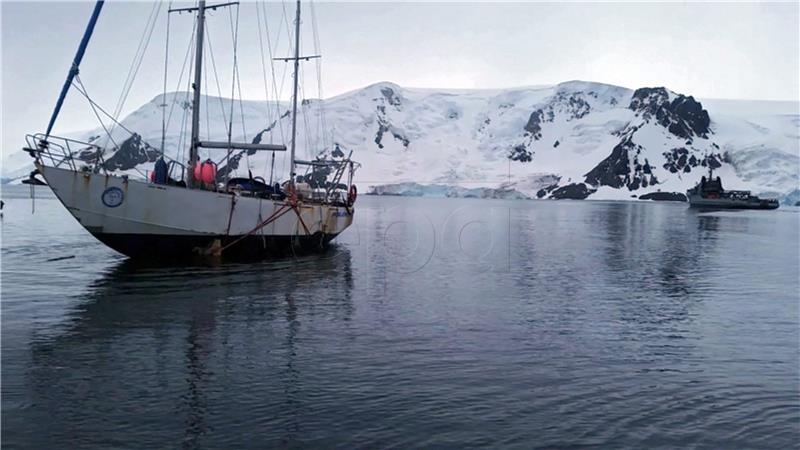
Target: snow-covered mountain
572,140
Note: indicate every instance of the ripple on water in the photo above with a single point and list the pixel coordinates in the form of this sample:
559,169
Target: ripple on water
598,324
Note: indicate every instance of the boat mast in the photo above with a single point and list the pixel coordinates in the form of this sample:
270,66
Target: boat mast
74,69
294,97
198,74
198,79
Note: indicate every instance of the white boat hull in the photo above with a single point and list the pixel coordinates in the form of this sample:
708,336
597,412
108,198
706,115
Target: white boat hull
141,219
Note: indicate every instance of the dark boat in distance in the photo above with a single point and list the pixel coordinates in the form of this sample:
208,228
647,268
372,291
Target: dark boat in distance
710,194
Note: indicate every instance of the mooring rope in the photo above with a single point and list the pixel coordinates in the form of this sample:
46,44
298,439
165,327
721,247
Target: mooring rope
275,215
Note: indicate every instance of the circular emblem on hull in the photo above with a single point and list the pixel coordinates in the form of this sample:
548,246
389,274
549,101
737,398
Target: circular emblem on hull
113,197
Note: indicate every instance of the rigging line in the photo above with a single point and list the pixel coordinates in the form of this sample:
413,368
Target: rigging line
304,111
233,95
239,86
233,84
205,97
310,141
216,78
238,77
95,107
318,63
185,106
181,138
164,95
268,109
136,55
82,90
184,128
183,69
272,68
263,64
241,112
288,111
286,21
149,35
301,78
279,114
276,46
116,122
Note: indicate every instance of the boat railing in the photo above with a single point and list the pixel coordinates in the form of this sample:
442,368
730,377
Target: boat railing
77,155
340,173
60,151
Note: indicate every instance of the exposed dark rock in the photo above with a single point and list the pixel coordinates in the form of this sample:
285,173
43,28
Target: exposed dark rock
384,124
556,144
88,154
383,128
714,161
680,160
233,162
664,196
400,138
231,165
615,170
612,171
131,153
542,192
316,179
260,136
520,153
534,126
693,119
683,116
574,191
391,97
571,105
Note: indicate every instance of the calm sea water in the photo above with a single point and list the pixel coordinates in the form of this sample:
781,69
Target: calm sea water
434,323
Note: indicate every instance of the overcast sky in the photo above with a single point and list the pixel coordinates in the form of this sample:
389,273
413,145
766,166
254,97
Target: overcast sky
709,50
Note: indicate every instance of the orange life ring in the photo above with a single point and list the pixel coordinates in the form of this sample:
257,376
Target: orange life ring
352,194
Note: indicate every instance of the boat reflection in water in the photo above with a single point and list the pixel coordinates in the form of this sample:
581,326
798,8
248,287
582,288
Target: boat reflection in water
152,348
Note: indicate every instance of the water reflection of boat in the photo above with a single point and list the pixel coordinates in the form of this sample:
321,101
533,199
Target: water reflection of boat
172,349
708,193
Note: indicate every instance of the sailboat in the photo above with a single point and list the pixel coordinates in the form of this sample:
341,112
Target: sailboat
202,214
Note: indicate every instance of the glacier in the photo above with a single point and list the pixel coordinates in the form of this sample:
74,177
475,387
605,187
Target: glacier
571,140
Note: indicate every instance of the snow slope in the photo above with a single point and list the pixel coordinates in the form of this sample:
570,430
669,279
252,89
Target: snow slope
571,140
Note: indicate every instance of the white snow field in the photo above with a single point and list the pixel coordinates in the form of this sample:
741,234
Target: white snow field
615,142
